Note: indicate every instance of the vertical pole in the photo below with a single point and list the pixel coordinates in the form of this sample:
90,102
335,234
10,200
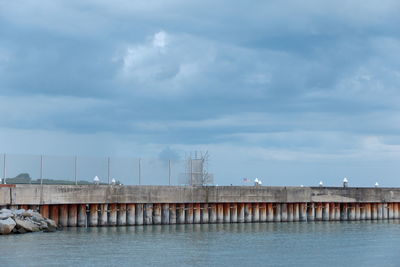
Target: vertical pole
140,174
4,169
108,170
41,169
169,172
76,170
191,172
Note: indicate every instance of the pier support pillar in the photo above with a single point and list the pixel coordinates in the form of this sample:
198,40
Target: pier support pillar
284,212
396,210
332,212
172,213
248,212
82,216
165,212
343,212
270,212
189,213
130,214
380,211
72,215
112,216
54,213
234,212
362,211
64,215
310,212
390,211
277,212
197,213
368,211
212,216
227,212
325,212
121,215
156,214
374,211
358,212
103,218
352,212
290,212
44,211
139,214
220,213
240,213
256,212
318,212
180,213
93,215
303,212
204,213
337,211
296,212
148,214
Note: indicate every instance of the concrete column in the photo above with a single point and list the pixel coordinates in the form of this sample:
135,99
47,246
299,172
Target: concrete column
148,214
220,213
352,212
172,213
227,212
290,212
234,212
103,219
197,213
318,211
362,211
256,212
337,211
82,217
310,212
303,212
270,212
180,214
121,215
396,210
54,214
212,216
325,211
248,212
284,212
390,211
44,210
332,211
156,215
240,213
380,211
72,215
165,213
374,211
368,211
93,215
358,211
296,212
25,207
130,214
204,213
385,211
189,213
277,212
63,215
139,214
343,212
112,215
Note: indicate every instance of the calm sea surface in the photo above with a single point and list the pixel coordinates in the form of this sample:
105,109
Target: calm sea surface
259,244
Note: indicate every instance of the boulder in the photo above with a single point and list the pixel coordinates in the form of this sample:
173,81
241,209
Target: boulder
6,226
4,216
51,225
27,225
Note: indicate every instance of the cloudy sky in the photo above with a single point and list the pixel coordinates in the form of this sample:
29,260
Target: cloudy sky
293,92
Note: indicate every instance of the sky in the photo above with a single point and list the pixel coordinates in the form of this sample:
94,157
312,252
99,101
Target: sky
291,92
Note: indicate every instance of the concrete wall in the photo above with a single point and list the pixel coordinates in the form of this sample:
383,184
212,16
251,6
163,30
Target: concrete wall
87,194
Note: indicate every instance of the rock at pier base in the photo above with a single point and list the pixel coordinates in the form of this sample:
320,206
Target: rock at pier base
6,226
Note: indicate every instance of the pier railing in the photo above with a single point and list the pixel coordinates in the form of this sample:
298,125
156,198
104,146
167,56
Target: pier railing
80,170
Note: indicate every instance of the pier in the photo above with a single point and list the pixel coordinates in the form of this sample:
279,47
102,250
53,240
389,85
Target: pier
114,205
